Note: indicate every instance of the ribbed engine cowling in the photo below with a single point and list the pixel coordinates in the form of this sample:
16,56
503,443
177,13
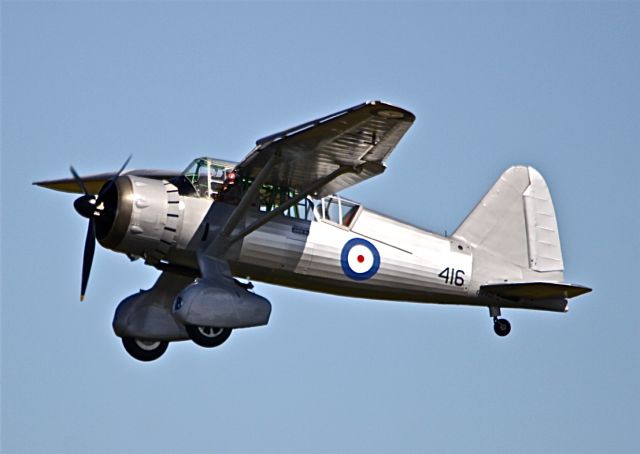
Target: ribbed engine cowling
142,218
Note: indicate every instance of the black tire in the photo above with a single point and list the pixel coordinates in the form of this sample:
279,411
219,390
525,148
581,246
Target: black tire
208,336
502,327
144,350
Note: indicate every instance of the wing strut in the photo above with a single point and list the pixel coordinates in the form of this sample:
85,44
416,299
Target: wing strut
292,201
224,240
221,243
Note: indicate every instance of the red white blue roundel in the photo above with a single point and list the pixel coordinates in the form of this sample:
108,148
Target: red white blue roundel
360,259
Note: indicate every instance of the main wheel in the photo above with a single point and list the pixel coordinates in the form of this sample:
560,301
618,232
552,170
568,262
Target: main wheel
144,350
502,327
208,336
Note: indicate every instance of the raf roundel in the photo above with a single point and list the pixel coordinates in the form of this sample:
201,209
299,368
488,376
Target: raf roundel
360,259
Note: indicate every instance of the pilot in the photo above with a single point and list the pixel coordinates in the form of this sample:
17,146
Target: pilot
230,179
229,184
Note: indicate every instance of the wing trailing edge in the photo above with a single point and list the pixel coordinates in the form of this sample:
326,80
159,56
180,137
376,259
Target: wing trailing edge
360,137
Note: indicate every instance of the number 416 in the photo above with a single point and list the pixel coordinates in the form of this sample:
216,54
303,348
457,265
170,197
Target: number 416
452,276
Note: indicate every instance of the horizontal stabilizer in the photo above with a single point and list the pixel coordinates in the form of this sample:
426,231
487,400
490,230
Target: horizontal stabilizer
534,290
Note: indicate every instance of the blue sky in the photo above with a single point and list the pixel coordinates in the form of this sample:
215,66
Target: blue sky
553,85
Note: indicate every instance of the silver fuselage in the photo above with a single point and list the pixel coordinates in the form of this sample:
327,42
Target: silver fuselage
307,255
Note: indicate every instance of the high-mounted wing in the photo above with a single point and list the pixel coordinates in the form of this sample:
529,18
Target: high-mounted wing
361,137
94,182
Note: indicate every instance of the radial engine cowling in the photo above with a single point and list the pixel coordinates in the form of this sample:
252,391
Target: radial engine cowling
223,304
141,217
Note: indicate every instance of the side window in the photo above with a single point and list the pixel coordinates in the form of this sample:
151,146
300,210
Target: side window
332,210
337,210
349,210
271,197
217,175
302,210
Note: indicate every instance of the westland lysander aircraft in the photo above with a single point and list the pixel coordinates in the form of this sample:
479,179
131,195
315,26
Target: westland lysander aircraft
274,217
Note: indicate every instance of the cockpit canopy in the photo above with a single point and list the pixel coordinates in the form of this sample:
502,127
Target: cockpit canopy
333,208
205,177
208,178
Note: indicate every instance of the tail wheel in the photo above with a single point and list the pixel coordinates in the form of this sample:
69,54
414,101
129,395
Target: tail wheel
143,349
501,326
208,336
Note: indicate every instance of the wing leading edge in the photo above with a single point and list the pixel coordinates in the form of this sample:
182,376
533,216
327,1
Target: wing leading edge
96,181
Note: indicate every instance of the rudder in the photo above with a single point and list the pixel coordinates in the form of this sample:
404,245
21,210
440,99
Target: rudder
516,222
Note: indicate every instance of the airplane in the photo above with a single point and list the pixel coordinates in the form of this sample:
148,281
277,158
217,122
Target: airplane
276,217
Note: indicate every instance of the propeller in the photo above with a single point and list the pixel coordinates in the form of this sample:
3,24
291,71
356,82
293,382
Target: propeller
88,206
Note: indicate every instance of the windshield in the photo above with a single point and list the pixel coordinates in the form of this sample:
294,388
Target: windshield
207,176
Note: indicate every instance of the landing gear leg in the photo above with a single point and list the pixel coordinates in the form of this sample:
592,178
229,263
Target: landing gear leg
501,326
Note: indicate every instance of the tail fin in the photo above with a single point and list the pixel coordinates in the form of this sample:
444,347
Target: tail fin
516,222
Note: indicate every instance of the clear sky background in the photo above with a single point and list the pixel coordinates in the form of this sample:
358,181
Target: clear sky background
553,85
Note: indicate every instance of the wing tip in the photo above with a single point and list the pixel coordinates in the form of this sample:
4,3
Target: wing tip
62,185
391,111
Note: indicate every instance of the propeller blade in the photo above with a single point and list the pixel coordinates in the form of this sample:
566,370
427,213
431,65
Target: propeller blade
85,208
78,180
123,166
87,260
112,180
